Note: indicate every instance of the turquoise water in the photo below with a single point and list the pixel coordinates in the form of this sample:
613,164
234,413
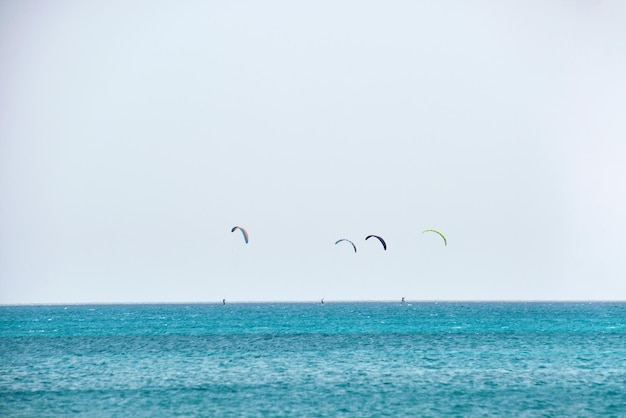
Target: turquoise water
336,359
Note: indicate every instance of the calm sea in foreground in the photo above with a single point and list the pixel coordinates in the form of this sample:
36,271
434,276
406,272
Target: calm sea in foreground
299,359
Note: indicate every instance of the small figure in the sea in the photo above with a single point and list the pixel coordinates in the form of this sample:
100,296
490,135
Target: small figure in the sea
403,300
223,301
322,301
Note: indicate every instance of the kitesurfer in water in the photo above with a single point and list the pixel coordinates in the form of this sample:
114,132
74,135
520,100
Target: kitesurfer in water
403,300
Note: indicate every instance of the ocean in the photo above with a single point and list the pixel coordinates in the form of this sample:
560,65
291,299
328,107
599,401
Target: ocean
312,359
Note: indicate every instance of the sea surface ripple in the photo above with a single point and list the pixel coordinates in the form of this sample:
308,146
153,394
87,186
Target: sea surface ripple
309,359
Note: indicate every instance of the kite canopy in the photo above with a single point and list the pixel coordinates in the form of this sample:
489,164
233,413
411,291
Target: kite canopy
243,231
347,240
445,241
382,241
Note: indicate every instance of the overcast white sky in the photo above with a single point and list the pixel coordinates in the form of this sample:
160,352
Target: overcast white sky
134,135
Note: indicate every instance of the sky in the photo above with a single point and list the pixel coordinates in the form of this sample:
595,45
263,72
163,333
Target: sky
135,134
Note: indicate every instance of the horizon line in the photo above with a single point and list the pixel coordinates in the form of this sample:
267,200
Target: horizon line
330,301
